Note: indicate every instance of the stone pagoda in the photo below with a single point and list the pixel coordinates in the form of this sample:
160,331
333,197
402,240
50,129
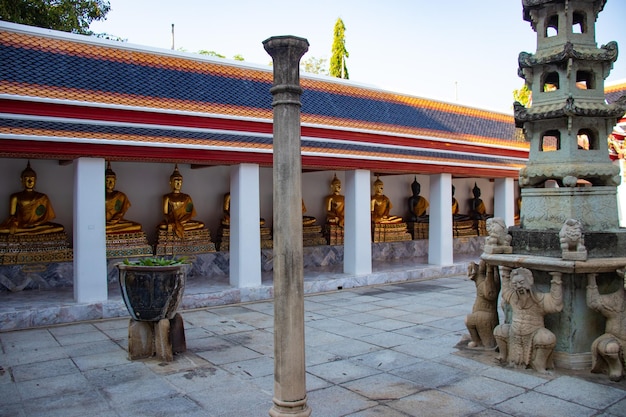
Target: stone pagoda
569,217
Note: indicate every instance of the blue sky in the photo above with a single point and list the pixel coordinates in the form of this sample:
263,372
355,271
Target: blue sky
450,50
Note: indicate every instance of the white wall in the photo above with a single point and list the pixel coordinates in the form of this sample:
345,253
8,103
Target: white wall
146,183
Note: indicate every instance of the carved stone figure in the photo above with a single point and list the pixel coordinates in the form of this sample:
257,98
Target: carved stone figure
608,350
178,208
30,211
526,341
335,204
417,204
498,241
484,317
381,206
116,205
572,241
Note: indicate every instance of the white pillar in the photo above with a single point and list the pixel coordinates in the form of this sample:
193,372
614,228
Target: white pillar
90,263
504,200
440,242
245,235
621,195
357,257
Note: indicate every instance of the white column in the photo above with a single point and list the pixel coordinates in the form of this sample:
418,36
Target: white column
90,263
440,243
621,195
504,200
357,257
245,235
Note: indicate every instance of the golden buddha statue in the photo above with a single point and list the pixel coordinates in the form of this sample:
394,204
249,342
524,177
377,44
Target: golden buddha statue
30,211
226,211
380,206
116,206
178,208
455,203
417,204
335,204
307,220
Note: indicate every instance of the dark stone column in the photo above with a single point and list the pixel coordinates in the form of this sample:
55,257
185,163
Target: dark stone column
289,366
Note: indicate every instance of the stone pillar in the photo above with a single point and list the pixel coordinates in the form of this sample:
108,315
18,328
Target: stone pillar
440,242
290,397
90,263
245,234
504,200
357,257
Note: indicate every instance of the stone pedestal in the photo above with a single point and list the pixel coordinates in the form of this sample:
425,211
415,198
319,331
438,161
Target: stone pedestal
464,228
194,241
577,326
334,234
418,230
224,238
162,338
548,208
27,249
312,235
128,245
390,232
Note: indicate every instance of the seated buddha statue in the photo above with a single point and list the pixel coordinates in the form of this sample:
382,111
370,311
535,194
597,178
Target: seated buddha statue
417,204
456,216
226,211
116,206
30,211
307,220
478,210
178,208
335,204
380,206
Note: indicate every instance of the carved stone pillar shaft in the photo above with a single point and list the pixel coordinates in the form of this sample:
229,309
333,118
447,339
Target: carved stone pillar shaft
289,365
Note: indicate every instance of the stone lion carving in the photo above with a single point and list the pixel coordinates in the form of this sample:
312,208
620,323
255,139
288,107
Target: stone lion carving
484,316
608,350
525,341
572,240
498,241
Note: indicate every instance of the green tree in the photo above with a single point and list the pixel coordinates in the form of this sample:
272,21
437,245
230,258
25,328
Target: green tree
314,65
338,66
523,95
73,16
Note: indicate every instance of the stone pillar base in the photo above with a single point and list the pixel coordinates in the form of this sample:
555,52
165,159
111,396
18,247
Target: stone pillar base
290,409
575,361
162,338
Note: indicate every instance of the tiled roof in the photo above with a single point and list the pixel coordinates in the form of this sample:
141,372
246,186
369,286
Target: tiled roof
615,91
72,72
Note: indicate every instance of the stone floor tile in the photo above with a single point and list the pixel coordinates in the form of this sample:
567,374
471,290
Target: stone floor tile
428,374
337,401
483,390
582,392
54,385
101,360
534,404
341,371
433,403
382,387
44,369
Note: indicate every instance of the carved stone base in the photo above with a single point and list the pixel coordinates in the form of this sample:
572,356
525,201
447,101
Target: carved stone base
418,230
312,235
194,241
577,361
464,228
334,234
224,238
26,249
125,245
390,232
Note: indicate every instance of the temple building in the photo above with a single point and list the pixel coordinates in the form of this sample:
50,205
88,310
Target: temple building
71,104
